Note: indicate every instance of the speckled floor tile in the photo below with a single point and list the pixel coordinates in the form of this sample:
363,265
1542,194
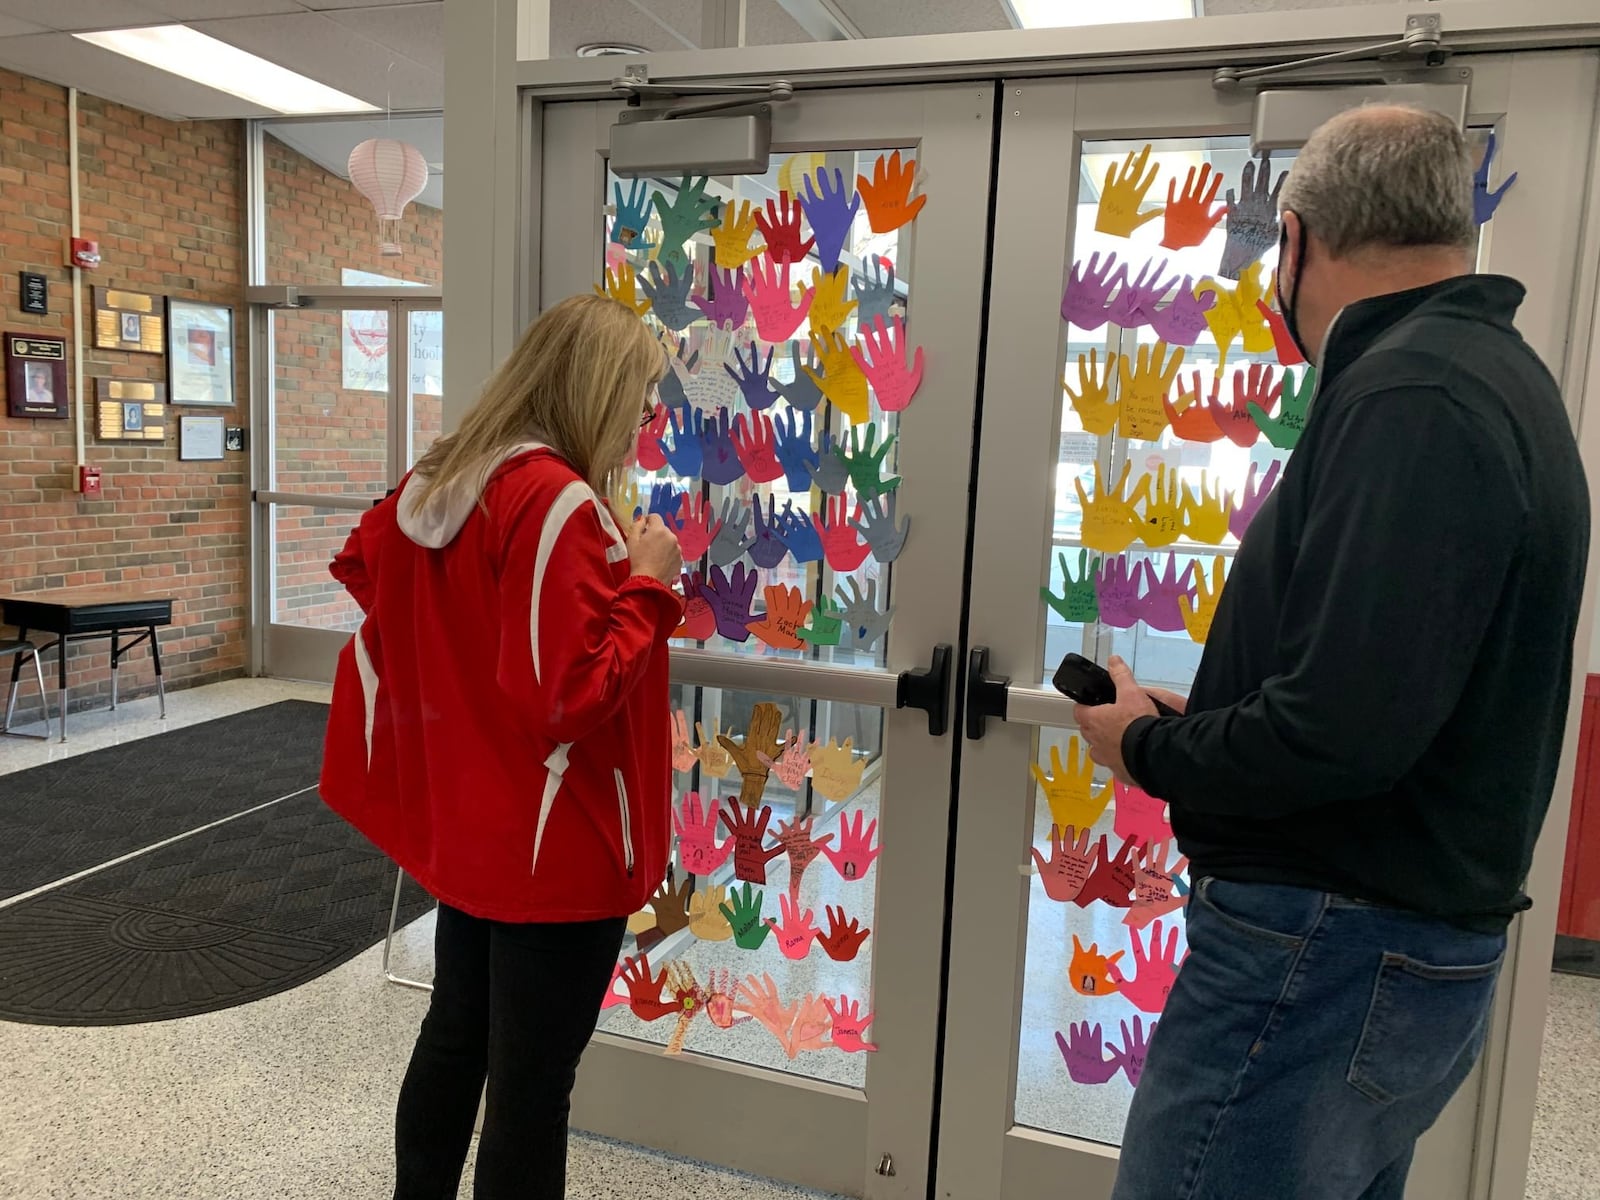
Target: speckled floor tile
1565,1159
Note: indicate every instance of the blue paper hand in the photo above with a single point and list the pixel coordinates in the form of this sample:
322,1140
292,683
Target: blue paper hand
795,452
831,211
686,453
768,550
664,503
720,463
753,377
633,214
799,534
1484,202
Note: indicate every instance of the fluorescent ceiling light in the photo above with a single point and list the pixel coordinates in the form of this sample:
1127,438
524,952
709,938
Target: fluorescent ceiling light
192,55
1047,14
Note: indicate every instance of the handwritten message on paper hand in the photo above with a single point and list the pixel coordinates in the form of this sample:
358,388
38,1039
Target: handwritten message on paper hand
1251,498
756,444
835,770
681,366
878,527
727,306
749,828
1140,817
1084,1054
706,920
844,939
1110,522
772,301
1162,600
794,764
644,992
714,760
835,527
696,826
1092,399
1111,881
826,627
730,600
865,463
743,911
874,289
830,308
754,377
696,526
1130,1056
787,610
1163,512
1182,320
730,241
1192,417
622,286
802,848
882,357
1485,202
1200,610
1222,316
1088,293
719,456
762,739
1123,192
671,905
831,209
1144,391
1255,330
1155,970
1069,789
759,999
688,213
780,226
699,621
1206,515
797,930
683,755
841,381
668,291
1078,603
848,1030
1252,217
1283,431
887,195
856,851
633,213
1090,971
1069,865
864,625
1189,216
1154,889
1140,295
1117,591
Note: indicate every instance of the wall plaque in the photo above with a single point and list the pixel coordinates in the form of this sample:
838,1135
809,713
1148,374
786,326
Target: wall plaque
36,376
130,410
126,320
34,292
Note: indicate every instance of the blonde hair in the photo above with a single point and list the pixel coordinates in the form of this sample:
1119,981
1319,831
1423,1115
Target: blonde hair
577,381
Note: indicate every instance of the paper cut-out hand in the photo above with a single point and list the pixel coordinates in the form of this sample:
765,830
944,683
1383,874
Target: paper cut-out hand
772,300
794,763
1139,816
802,391
762,740
754,377
840,381
1282,344
696,827
759,999
787,610
1182,320
613,998
1257,336
843,940
849,1027
796,932
625,498
1117,592
1112,878
665,500
1163,512
855,852
878,527
1162,601
1144,391
743,911
718,994
1129,1057
749,829
671,905
831,211
706,921
1092,401
835,770
683,755
1153,888
845,551
795,452
1284,430
673,387
1190,217
1222,316
810,1028
1089,288
1485,202
696,526
881,355
668,291
644,992
719,456
1071,861
647,451
874,289
730,241
826,627
622,286
802,848
714,760
1078,603
1192,417
1252,217
633,214
831,475
1070,790
727,306
780,226
1118,212
863,623
1110,522
1155,970
888,195
757,447
1140,295
1090,971
865,460
830,308
688,213
1084,1053
1206,516
1250,499
1200,610
730,600
699,621
799,534
733,536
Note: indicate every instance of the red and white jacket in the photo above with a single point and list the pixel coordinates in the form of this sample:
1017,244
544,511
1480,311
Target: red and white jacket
500,720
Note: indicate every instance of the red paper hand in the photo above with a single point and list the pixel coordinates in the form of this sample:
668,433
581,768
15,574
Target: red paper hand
843,941
697,526
856,852
842,545
644,993
749,829
1258,388
757,447
780,226
649,454
1282,344
1155,970
801,847
699,618
849,1026
1193,418
1112,880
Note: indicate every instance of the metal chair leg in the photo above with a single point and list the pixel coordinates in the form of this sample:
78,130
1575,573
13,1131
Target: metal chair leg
44,702
44,696
388,941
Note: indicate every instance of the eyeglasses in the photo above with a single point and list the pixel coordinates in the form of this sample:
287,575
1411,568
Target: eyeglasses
652,402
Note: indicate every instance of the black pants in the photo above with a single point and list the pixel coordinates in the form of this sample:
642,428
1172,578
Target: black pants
516,1004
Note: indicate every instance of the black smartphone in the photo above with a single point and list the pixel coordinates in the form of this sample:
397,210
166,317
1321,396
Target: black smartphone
1086,681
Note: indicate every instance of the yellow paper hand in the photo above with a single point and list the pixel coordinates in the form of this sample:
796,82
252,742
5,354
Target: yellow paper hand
714,760
706,921
1092,401
1205,517
1118,213
1201,609
1069,790
835,772
1222,318
829,308
841,380
1110,524
1257,333
730,241
1163,512
1144,391
625,499
622,286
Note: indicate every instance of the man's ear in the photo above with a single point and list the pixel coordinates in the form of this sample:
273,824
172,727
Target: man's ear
1288,249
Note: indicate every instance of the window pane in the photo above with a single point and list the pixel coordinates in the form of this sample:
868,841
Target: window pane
330,402
304,541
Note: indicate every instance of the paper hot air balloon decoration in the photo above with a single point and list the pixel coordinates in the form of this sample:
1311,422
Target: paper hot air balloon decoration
391,174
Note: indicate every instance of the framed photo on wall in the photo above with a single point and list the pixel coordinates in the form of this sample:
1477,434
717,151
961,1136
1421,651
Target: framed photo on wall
199,353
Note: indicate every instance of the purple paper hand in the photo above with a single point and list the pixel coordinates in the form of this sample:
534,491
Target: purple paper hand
727,306
719,456
1116,586
769,549
1181,321
1129,1057
1247,503
730,601
1084,1053
1139,296
754,378
831,211
1159,605
1088,289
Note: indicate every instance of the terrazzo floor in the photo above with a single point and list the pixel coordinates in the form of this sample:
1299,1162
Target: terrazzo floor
293,1096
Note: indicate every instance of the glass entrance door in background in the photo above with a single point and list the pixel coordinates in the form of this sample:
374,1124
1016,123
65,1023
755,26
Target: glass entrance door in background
1164,405
351,378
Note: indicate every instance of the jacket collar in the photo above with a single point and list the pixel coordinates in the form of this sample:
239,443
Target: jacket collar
1491,299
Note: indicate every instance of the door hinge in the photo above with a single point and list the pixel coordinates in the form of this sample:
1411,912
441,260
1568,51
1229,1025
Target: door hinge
886,1166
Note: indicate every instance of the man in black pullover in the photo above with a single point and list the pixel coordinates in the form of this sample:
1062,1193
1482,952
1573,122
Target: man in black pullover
1372,738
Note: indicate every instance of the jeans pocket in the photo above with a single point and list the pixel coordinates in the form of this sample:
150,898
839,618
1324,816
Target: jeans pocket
1279,915
1421,1021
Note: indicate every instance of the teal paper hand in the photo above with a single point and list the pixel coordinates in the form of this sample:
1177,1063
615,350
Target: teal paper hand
1078,603
688,213
633,214
1284,430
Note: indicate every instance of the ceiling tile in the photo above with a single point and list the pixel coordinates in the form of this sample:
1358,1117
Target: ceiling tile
12,27
75,15
330,5
767,24
574,23
199,10
415,30
876,19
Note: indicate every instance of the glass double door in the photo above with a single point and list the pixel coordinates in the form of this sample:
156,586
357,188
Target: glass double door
897,415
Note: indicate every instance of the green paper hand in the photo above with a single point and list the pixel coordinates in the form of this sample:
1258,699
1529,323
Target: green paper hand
1284,430
826,625
682,217
743,911
1078,602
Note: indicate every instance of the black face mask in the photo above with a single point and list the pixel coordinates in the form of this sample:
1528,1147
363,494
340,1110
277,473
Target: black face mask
1288,302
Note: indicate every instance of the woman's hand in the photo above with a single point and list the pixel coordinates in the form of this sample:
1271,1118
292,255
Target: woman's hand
653,550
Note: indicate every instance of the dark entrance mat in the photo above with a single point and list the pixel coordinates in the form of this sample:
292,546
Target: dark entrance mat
67,816
1577,956
252,907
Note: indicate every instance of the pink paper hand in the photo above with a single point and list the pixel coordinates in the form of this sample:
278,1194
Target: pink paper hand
1140,816
1071,862
796,932
683,755
849,1030
881,355
1155,970
856,852
1155,888
696,827
792,766
801,847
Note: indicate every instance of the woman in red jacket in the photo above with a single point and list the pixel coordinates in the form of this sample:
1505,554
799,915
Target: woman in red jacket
500,729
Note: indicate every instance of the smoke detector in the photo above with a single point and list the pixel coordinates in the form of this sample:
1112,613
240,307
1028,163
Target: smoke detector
609,49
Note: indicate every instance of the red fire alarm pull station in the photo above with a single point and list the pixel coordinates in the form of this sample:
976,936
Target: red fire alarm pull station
83,252
89,482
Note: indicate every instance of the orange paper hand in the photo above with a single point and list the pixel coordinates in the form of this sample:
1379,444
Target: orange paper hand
888,197
787,610
1192,418
1189,217
1090,971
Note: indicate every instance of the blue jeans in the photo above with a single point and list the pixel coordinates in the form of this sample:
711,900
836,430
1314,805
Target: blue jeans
1309,1041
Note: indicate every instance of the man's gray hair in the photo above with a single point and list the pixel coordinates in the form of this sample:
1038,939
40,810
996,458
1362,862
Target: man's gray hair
1384,176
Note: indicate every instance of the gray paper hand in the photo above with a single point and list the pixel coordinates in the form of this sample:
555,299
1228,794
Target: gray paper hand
863,623
668,290
802,392
1252,218
874,289
831,472
877,527
734,538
